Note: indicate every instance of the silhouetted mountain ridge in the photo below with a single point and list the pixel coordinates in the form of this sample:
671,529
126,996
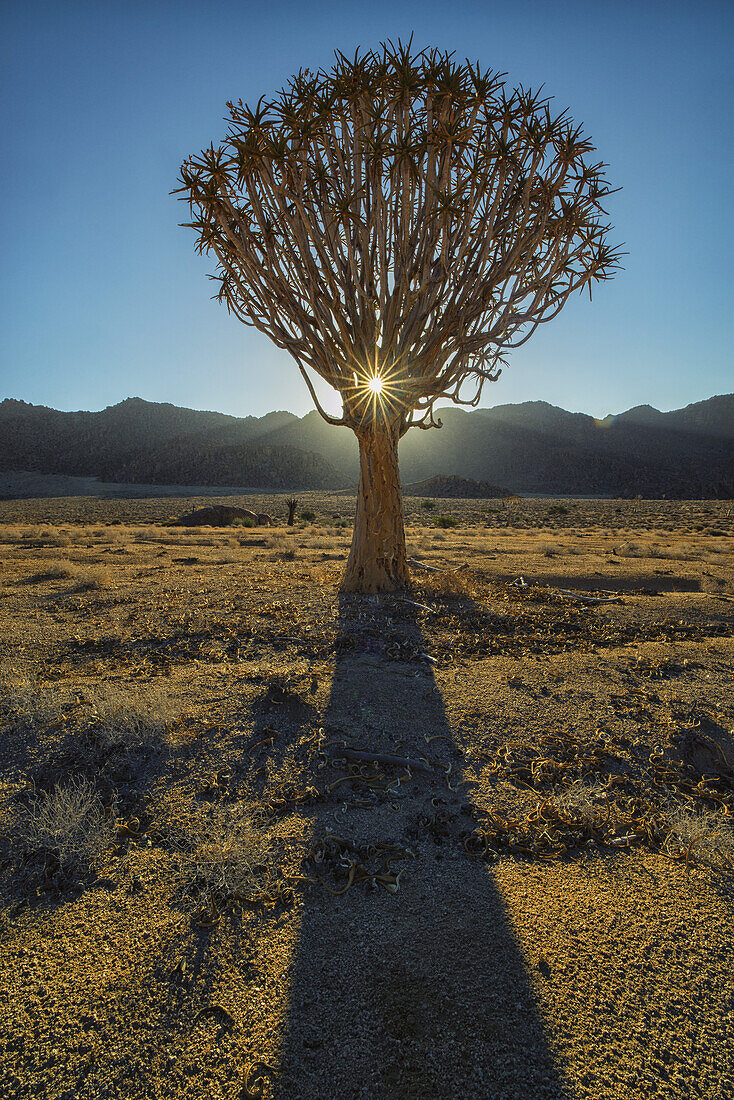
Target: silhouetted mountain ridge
158,443
532,447
535,447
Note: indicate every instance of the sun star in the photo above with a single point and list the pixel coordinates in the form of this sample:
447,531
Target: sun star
375,385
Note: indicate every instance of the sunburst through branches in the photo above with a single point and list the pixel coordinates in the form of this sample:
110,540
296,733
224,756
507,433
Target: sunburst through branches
376,395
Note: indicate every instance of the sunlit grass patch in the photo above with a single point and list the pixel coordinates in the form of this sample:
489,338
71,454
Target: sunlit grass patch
146,534
91,580
443,584
58,538
106,719
632,550
85,578
323,544
286,554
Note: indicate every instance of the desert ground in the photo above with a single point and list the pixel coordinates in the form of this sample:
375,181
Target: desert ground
258,839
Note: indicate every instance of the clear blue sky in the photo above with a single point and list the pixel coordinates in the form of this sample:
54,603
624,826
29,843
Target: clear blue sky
102,296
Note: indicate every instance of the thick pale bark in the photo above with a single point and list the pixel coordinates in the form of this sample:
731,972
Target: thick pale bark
377,561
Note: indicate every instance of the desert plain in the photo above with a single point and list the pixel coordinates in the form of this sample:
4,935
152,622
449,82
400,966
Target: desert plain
472,840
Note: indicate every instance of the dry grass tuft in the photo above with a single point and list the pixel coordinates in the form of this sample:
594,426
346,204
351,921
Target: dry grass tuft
582,799
323,544
224,858
58,570
708,836
632,550
125,722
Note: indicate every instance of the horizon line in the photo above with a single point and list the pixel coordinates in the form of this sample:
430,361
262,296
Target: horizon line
449,405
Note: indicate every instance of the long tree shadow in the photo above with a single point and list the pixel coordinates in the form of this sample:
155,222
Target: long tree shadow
422,992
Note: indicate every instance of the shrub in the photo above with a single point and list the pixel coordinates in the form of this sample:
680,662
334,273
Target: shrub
242,521
58,570
67,826
428,505
86,578
307,516
557,510
26,705
91,580
446,521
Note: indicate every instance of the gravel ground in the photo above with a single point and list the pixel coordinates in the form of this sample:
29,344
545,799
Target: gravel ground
600,972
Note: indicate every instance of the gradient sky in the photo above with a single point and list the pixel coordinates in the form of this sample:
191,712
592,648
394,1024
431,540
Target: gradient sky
102,296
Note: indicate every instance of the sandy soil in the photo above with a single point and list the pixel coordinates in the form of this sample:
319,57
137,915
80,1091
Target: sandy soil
533,900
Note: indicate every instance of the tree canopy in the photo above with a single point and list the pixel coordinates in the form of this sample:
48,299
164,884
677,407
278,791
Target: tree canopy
403,217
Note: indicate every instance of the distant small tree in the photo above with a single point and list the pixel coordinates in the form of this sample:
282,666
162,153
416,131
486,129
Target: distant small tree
398,224
510,504
292,506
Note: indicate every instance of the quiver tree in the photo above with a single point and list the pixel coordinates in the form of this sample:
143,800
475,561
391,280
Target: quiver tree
398,224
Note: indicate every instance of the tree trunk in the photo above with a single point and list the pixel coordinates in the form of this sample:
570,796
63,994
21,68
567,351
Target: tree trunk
377,561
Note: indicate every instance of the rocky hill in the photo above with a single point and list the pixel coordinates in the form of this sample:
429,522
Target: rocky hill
458,487
531,447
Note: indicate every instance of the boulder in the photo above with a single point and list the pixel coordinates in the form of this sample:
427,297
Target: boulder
218,515
264,520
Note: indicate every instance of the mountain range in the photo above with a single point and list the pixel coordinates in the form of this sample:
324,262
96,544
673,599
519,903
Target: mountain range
532,447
